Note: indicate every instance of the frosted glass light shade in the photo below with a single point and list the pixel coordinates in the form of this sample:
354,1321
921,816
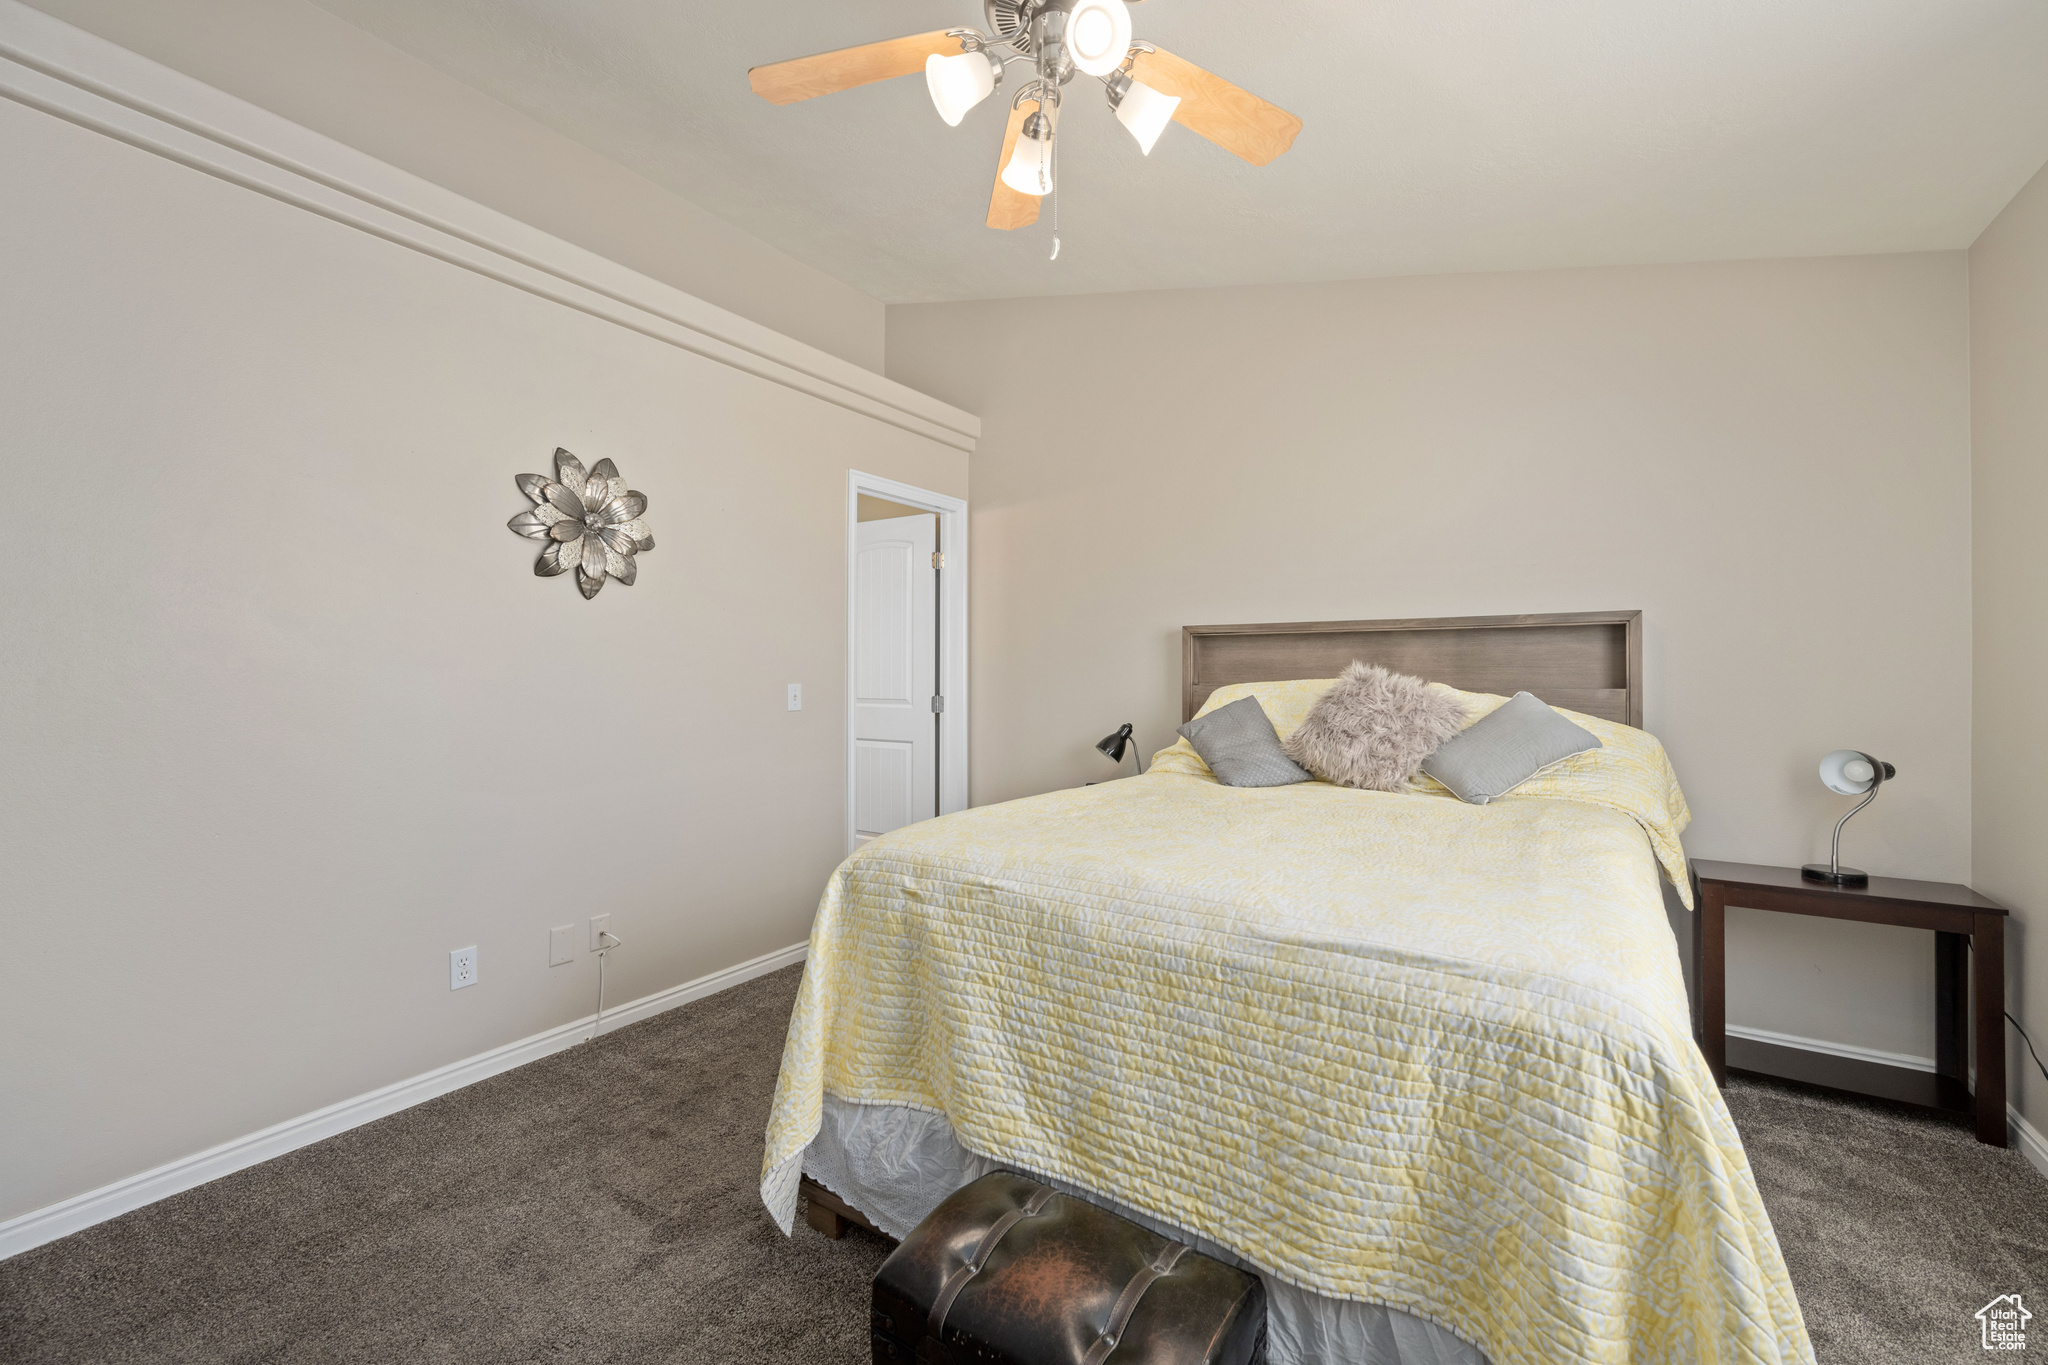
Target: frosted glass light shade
1146,113
958,83
1030,168
1098,35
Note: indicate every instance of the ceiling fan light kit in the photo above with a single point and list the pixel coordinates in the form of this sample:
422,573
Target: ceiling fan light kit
1098,35
1058,39
960,82
1030,168
1141,109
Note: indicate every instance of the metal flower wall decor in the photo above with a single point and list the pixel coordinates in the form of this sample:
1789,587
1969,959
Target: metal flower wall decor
592,522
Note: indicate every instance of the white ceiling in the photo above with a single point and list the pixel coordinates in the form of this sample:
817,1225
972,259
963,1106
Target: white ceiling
1441,135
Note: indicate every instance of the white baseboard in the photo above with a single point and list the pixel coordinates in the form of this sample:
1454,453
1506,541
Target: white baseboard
1860,1054
110,1201
2028,1139
2025,1137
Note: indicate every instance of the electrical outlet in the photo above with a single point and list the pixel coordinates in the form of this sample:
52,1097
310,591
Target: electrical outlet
796,696
599,925
462,968
561,945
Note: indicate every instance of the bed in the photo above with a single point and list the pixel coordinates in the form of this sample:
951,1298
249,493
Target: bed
1427,1067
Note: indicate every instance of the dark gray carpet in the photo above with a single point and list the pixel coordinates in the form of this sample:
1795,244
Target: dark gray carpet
1897,1228
600,1206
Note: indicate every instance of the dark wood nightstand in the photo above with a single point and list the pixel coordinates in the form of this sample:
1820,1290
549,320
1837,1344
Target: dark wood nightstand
1954,913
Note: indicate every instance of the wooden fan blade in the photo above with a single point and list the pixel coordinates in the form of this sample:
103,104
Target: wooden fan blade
1006,207
803,78
1231,118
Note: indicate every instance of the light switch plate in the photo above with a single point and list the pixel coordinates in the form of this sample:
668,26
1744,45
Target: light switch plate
561,945
599,924
462,968
796,696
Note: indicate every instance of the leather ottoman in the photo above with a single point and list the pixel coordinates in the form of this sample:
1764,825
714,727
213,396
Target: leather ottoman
1008,1272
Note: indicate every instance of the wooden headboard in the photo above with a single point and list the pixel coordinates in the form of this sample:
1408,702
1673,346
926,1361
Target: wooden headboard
1586,661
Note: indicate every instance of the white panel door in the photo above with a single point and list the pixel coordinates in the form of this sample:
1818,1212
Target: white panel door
895,674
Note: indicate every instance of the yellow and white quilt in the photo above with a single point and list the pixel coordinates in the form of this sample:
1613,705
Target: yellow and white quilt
1386,1046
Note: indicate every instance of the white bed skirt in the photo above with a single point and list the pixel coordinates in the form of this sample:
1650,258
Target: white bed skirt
895,1164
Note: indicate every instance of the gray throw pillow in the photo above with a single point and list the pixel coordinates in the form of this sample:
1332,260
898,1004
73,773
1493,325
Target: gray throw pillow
1501,751
1241,746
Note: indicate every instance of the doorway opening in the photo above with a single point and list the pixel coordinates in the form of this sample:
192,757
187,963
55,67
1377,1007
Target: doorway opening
906,671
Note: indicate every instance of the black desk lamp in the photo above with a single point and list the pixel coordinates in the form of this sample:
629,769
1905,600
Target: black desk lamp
1112,746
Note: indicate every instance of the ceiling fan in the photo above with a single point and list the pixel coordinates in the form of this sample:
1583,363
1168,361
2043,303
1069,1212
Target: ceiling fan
1146,87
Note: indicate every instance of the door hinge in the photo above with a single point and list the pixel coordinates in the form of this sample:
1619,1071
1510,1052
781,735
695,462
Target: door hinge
938,705
938,559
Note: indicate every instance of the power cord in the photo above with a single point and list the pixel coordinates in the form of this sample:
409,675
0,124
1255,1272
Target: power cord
606,941
2029,1042
2018,1028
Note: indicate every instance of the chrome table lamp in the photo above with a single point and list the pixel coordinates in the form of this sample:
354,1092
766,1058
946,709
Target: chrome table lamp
1850,772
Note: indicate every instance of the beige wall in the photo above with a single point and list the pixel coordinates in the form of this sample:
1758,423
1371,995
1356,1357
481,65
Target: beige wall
297,60
1771,459
2009,372
881,509
288,715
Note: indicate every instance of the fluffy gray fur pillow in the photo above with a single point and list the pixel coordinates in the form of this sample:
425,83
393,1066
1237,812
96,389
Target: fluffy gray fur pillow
1374,728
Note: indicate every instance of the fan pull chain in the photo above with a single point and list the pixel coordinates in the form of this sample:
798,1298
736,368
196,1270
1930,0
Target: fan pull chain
1055,200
